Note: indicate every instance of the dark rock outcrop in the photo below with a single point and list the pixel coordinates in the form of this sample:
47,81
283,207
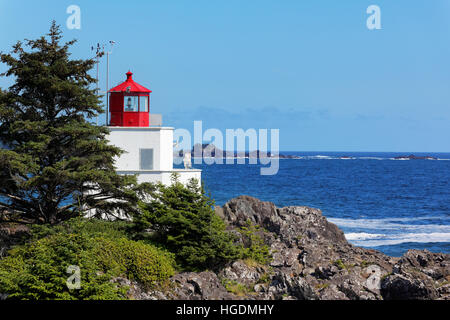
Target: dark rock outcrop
193,286
418,275
291,224
313,260
413,157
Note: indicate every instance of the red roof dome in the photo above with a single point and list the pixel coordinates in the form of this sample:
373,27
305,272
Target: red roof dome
129,86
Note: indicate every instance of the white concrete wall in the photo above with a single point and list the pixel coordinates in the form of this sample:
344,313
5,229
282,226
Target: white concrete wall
132,139
166,157
160,139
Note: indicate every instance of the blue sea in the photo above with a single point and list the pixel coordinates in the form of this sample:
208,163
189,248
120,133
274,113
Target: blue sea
379,202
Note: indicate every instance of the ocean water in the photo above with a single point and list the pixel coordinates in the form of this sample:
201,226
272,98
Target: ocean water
381,203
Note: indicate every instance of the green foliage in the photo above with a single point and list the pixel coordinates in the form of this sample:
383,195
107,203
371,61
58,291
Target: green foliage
254,247
341,265
91,227
38,270
135,260
365,264
54,163
236,288
322,286
183,220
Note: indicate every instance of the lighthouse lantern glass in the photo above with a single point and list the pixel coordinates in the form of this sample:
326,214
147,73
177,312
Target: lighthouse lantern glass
130,103
143,104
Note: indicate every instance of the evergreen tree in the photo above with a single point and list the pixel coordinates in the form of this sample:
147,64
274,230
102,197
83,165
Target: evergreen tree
183,220
54,163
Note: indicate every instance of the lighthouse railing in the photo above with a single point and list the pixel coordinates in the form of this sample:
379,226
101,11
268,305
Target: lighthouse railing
155,120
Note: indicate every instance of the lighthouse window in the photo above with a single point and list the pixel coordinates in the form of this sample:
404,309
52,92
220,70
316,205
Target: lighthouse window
143,102
130,103
146,161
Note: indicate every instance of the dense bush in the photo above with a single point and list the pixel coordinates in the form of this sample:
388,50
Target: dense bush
253,244
92,227
135,260
183,220
38,270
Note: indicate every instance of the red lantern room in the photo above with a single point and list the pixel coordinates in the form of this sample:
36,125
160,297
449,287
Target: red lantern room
129,104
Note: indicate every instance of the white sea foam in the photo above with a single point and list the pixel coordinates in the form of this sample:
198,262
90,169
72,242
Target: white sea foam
371,158
376,240
363,236
320,157
393,224
389,219
390,231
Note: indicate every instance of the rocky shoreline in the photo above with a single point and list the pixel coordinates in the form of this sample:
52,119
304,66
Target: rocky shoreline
311,260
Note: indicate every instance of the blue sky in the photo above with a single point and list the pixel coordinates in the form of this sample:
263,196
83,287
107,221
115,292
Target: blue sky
309,68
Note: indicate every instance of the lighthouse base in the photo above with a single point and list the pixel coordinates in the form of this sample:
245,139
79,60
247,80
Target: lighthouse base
148,153
183,175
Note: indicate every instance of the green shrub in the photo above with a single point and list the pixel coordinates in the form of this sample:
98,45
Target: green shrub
236,288
38,270
135,260
183,220
254,247
93,226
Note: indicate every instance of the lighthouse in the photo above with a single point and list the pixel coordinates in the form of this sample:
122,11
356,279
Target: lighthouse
147,144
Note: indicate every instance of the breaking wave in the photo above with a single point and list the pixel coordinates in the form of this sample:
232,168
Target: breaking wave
395,224
375,240
393,231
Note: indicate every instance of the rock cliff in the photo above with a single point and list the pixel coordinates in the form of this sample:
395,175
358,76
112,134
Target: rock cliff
311,260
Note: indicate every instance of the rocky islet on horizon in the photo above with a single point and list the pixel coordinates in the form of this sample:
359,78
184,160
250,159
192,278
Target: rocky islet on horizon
210,150
413,157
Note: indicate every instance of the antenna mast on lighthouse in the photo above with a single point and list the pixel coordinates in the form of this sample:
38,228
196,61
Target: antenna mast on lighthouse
100,52
112,43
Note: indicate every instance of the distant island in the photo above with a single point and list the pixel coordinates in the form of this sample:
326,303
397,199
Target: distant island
210,150
413,157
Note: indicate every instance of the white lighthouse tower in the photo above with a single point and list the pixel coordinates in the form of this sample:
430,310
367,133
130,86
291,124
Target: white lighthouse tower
147,144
